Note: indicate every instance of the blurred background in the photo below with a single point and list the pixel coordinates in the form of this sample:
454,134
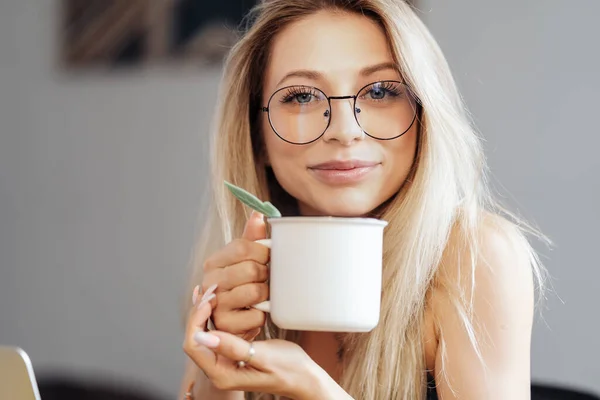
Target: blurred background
104,115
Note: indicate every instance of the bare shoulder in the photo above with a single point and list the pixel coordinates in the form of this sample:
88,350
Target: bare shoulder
484,297
500,270
504,268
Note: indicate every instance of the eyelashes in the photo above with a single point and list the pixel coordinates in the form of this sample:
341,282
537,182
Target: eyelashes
299,94
376,91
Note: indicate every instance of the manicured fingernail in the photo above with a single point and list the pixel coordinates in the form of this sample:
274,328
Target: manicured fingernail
206,300
206,339
195,294
209,291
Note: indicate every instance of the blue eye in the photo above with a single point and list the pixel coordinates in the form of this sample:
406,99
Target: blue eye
377,93
303,97
299,95
382,91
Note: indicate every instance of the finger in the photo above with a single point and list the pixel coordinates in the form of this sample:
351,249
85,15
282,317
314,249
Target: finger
195,295
244,272
200,314
240,321
251,334
202,356
235,252
197,322
238,274
244,296
237,349
255,228
226,375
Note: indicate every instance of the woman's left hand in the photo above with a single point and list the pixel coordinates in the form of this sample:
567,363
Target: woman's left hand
277,366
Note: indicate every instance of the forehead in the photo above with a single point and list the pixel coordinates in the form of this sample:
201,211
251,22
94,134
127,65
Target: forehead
335,44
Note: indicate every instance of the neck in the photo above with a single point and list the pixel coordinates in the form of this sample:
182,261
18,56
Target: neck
325,349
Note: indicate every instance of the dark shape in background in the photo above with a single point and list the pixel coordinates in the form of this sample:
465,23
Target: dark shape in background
118,33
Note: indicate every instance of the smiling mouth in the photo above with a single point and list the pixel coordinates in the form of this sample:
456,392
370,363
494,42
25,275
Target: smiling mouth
343,172
344,164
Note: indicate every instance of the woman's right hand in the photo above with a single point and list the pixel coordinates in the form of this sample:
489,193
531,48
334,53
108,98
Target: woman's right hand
240,272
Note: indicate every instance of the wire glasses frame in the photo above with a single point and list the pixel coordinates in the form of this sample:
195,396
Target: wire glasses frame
410,97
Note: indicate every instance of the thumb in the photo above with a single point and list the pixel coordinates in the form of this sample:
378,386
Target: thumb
255,227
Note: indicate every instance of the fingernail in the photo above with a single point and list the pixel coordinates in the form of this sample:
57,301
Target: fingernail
195,295
209,291
206,300
206,339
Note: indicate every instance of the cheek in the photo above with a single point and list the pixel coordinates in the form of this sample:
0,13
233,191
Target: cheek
283,157
407,147
287,166
401,155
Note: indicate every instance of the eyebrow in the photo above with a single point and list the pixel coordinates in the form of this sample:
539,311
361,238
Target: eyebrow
316,75
379,67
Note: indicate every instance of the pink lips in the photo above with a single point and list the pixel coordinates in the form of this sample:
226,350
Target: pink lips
337,172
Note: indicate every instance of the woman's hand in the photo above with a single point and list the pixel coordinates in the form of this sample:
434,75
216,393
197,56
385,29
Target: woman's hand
240,272
277,366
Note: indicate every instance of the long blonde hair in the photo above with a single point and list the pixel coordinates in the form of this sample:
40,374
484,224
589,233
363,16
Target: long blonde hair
443,201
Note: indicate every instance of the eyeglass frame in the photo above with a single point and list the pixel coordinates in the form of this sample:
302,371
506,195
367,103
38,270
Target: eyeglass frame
329,98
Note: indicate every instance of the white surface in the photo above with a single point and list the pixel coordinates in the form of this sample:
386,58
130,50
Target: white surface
326,273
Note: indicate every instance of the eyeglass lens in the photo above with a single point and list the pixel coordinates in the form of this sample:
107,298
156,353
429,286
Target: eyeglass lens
301,114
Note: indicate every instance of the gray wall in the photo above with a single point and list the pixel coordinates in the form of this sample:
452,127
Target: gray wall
529,73
101,179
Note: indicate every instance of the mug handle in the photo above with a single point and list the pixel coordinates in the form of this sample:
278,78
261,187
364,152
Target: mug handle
264,306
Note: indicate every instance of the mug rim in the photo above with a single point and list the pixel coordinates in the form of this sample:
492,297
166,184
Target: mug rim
355,220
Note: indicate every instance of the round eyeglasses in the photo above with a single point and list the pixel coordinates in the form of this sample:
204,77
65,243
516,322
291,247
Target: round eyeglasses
301,114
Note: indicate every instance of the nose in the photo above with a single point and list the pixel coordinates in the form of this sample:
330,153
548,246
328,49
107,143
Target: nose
343,126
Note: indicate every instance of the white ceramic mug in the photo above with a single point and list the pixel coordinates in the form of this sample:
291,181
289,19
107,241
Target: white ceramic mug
325,273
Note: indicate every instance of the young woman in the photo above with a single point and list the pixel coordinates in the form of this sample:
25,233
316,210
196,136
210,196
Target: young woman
348,108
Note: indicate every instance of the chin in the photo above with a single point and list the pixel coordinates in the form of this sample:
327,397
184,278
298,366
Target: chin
340,207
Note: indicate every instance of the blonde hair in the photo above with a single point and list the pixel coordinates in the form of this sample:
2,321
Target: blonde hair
444,201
